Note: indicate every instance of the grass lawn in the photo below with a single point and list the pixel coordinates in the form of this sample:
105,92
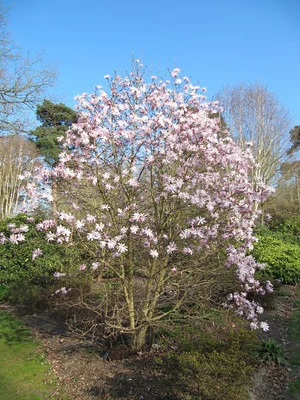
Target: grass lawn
24,372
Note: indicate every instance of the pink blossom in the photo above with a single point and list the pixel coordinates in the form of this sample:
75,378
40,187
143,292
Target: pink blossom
93,235
122,248
66,217
91,218
134,228
259,310
154,253
95,265
21,229
254,325
185,234
171,247
111,244
148,232
62,290
51,237
175,72
139,217
3,239
269,287
187,250
46,224
100,227
16,238
80,224
62,231
36,253
264,326
133,182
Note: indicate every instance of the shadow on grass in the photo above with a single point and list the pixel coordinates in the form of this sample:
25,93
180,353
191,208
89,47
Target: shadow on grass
12,331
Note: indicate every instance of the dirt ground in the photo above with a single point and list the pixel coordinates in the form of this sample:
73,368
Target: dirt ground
94,372
271,383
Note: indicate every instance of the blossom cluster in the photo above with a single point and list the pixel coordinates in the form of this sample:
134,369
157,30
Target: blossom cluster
16,234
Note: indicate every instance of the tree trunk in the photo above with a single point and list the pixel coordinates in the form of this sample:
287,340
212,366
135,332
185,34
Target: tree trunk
140,337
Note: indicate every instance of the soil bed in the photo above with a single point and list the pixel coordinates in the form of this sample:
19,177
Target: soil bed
89,372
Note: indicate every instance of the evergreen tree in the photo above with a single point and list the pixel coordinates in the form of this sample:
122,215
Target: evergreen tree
295,139
55,120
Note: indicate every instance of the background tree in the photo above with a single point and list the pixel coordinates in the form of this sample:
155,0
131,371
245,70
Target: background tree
286,200
55,120
295,139
254,115
17,161
23,81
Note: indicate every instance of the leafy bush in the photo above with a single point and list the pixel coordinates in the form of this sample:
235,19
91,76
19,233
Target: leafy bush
213,365
270,351
25,279
282,259
287,229
215,375
30,296
16,261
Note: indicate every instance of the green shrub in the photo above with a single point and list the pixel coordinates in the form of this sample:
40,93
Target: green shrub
212,365
282,259
27,281
287,229
32,297
270,351
214,375
3,292
16,261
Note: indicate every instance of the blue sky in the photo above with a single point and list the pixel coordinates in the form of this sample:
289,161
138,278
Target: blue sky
216,43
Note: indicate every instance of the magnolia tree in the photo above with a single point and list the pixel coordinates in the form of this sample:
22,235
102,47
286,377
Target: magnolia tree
169,201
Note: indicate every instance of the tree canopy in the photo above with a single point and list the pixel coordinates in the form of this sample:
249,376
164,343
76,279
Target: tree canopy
295,139
55,120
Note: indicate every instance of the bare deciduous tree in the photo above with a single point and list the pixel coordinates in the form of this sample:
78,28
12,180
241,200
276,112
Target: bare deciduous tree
22,83
254,115
17,157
